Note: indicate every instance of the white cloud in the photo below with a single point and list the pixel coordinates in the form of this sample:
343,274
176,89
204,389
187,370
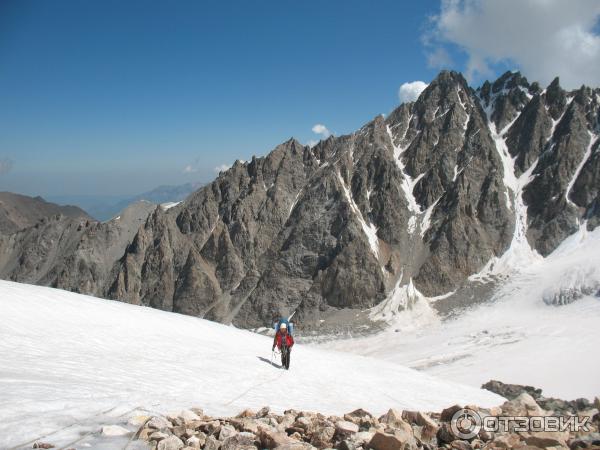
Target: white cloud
6,166
190,169
409,92
543,38
322,130
222,168
312,142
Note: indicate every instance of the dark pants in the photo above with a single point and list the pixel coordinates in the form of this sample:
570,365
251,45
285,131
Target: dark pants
285,356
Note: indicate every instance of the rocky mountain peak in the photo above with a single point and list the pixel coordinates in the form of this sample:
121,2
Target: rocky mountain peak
409,206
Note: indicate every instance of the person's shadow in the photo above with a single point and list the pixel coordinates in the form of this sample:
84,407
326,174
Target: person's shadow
268,361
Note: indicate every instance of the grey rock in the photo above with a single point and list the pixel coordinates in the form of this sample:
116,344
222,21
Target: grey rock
18,212
170,443
511,391
211,443
159,423
242,440
227,431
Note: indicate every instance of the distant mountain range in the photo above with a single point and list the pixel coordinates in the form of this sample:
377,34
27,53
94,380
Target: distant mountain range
440,199
103,208
18,212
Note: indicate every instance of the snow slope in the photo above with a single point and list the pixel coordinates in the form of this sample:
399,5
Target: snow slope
72,362
518,338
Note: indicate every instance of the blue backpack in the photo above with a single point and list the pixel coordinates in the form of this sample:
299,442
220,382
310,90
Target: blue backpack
288,324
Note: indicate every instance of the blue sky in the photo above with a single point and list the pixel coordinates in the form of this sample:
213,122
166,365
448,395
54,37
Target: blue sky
117,97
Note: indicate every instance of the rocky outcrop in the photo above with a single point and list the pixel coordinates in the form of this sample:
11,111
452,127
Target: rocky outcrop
358,430
75,254
423,198
555,405
18,212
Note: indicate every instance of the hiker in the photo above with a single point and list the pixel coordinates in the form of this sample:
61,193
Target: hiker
284,342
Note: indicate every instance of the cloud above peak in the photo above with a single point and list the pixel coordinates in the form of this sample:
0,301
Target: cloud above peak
322,130
542,38
409,92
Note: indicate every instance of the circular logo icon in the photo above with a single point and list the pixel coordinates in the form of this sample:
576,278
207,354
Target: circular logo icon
465,423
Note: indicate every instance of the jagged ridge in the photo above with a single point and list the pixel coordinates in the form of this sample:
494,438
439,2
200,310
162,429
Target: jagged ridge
433,193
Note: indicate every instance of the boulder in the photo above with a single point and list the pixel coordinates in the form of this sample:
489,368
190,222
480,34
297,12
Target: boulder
296,446
188,416
158,436
272,439
287,421
445,434
410,417
246,413
212,427
545,439
114,430
145,433
358,416
522,405
226,432
188,433
362,437
426,433
388,441
303,422
446,415
239,441
249,425
170,443
346,428
194,442
178,430
211,443
393,418
296,436
323,437
347,445
159,423
174,419
263,412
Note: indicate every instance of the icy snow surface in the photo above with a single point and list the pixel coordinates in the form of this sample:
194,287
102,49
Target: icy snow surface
76,362
517,338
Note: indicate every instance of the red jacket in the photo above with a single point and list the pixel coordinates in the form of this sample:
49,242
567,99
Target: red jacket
289,340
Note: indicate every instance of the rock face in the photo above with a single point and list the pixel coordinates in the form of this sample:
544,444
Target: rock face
423,198
70,253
